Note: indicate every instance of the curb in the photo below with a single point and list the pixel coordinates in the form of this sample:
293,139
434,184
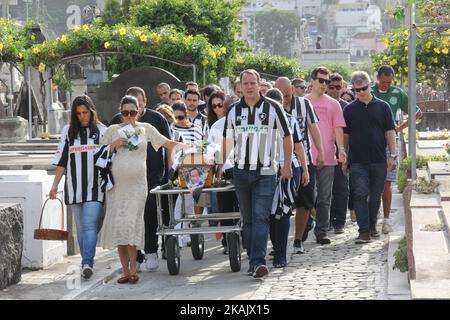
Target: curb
92,285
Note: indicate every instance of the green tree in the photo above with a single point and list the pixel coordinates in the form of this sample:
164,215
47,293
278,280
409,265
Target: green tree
217,20
268,65
113,13
276,31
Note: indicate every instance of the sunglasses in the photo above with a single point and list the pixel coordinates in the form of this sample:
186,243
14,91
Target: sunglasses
334,87
219,105
131,113
180,118
301,87
361,89
322,80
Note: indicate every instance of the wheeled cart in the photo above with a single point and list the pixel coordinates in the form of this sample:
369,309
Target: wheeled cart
196,231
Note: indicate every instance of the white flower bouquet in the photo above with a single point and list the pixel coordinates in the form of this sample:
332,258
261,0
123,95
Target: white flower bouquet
134,136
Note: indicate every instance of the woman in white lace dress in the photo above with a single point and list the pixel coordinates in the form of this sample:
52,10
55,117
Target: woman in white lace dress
123,226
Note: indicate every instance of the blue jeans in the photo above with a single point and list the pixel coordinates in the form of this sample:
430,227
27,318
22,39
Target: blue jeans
367,188
338,210
86,216
255,195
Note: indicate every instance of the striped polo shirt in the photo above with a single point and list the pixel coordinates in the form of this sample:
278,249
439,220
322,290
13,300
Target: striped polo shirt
78,158
303,110
187,135
255,132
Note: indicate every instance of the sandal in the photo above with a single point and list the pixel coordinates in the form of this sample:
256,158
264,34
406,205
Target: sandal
122,280
133,278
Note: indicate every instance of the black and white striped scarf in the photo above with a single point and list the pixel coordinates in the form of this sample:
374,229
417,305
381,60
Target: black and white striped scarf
284,198
104,163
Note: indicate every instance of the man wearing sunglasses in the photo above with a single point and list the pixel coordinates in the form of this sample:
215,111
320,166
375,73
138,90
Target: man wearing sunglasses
331,122
398,101
338,210
370,128
299,87
157,169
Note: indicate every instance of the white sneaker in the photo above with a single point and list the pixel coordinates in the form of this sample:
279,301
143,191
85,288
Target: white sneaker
386,227
151,261
87,272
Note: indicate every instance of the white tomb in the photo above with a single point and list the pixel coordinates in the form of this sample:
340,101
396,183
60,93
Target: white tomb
29,188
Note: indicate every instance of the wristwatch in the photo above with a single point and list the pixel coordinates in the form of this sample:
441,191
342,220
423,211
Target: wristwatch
394,156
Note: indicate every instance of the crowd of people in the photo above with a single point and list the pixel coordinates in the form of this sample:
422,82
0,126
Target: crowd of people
314,149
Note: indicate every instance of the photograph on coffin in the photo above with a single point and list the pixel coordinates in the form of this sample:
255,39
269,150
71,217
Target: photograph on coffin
195,178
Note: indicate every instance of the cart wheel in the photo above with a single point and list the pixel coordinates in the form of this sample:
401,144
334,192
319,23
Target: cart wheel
197,246
234,251
173,255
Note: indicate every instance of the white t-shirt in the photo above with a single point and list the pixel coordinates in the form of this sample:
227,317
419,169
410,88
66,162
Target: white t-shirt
216,137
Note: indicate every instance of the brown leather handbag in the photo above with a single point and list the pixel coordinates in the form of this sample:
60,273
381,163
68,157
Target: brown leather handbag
51,234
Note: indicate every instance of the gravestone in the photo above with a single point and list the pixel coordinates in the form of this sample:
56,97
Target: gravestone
2,110
439,168
108,95
11,244
434,120
13,129
431,144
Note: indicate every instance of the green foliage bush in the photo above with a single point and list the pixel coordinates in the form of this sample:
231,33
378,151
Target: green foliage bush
421,161
401,256
268,64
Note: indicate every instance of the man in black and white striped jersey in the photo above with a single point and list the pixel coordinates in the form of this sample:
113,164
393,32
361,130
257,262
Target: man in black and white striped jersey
252,129
303,111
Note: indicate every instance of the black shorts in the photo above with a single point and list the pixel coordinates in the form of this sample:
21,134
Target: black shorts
306,198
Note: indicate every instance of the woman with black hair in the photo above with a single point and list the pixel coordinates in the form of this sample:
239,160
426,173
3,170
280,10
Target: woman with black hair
75,158
124,226
217,109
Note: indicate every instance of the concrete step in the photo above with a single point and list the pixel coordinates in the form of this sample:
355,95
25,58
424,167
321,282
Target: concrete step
444,187
421,200
439,169
438,289
445,217
431,253
43,162
26,147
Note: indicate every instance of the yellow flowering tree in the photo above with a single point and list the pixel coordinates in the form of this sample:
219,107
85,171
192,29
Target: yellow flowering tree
128,44
432,55
432,49
14,41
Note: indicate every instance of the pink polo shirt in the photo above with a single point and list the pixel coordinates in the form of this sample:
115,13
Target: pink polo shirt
330,117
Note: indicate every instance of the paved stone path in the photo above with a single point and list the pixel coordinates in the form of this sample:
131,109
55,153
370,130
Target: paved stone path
342,270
